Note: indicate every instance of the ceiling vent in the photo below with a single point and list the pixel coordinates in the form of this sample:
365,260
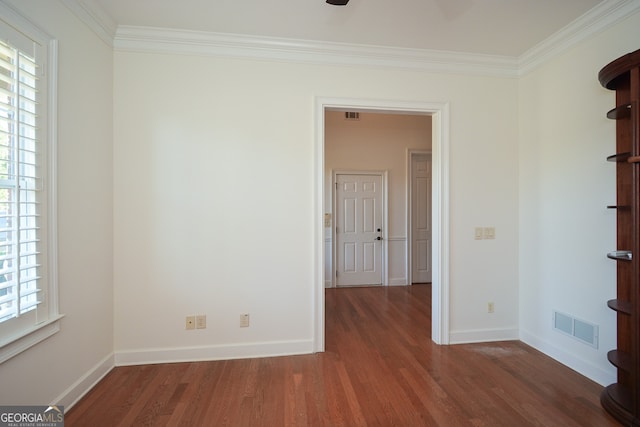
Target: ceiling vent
351,115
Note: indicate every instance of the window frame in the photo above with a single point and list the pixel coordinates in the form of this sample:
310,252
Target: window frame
15,342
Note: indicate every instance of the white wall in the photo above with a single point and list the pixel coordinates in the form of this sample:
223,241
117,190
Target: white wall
214,199
565,185
212,181
61,367
376,142
213,203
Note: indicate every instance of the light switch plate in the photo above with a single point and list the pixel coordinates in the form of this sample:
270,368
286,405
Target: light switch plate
244,320
327,220
201,321
489,233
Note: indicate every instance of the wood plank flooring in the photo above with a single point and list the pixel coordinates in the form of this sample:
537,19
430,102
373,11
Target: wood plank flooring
380,368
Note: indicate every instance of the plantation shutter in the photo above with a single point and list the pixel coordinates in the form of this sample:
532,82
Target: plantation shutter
20,181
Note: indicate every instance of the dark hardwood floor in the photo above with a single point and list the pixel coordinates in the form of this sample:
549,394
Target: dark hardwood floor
380,368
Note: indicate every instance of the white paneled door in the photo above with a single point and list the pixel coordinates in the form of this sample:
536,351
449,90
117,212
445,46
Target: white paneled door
358,229
421,218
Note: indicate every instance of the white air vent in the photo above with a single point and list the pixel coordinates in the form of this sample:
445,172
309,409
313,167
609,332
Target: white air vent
582,331
351,115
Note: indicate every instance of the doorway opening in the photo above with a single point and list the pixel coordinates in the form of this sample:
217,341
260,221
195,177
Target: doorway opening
439,113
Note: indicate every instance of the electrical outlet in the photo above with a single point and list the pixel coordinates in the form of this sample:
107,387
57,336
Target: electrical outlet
478,233
244,320
190,322
201,322
490,307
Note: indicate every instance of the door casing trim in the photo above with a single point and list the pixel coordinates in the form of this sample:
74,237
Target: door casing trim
439,112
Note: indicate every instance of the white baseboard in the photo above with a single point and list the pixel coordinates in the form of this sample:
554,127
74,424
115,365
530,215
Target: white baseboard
589,370
85,383
214,352
482,335
397,281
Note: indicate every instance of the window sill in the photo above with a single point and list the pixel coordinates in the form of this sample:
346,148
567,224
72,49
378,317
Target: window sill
16,345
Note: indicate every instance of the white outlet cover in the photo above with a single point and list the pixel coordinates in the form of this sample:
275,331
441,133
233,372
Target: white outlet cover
478,233
190,322
244,320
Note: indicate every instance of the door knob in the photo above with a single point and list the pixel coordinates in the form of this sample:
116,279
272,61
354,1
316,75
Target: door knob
378,238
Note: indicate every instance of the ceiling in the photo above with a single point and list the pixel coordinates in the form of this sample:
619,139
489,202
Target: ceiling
495,27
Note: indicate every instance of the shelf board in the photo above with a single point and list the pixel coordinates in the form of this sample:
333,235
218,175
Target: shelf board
620,306
620,360
620,157
620,255
616,399
620,112
616,73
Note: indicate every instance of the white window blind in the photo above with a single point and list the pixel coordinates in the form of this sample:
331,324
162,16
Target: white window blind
28,302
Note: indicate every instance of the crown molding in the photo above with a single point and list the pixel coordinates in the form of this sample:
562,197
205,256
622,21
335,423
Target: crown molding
601,17
170,41
94,17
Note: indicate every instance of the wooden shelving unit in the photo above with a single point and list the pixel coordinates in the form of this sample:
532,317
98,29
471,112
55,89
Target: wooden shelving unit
622,399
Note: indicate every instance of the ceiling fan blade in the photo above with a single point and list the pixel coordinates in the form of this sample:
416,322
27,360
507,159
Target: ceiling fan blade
338,2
